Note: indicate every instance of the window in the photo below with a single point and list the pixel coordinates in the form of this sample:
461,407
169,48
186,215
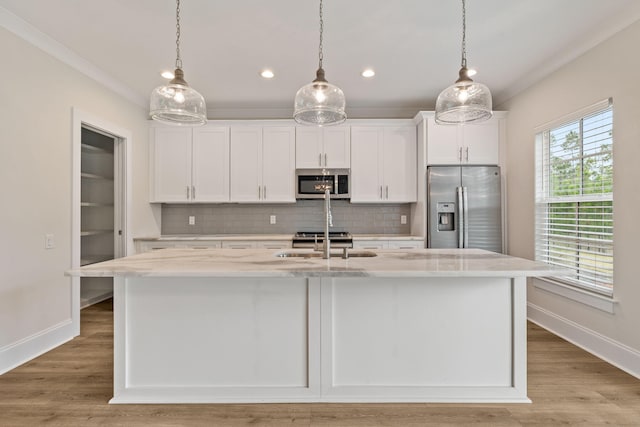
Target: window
574,197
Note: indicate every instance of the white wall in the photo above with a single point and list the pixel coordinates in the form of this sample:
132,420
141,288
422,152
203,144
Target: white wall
38,93
607,70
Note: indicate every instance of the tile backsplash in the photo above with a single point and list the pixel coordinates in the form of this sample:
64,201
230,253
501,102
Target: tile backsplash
304,215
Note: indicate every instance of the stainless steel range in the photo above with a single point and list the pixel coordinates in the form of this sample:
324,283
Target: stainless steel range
315,239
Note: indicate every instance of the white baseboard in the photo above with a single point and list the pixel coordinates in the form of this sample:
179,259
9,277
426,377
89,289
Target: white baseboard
15,354
611,351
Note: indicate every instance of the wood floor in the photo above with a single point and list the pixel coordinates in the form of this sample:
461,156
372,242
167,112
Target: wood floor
70,386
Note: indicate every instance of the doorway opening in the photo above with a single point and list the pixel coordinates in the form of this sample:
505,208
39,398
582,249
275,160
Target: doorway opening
100,209
101,196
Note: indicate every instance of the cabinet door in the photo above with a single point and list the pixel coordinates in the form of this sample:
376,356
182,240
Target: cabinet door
399,159
237,244
171,158
309,151
337,147
273,244
278,164
443,144
370,244
481,143
246,164
405,244
366,182
210,164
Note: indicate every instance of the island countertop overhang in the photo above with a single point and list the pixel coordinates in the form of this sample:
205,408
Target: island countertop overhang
188,262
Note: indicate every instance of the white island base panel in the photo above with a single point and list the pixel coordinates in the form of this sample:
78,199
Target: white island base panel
319,339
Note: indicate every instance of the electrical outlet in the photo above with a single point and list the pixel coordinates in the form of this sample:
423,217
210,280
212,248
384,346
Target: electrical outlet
49,242
192,220
272,219
403,219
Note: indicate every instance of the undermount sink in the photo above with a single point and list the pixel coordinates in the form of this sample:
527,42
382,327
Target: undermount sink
350,254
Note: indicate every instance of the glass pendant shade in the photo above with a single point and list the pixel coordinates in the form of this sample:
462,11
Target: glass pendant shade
178,104
464,102
319,103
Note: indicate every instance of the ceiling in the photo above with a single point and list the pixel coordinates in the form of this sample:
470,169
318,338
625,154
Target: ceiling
413,45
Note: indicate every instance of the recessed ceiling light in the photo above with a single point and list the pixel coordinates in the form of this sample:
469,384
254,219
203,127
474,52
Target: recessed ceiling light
267,74
368,73
167,75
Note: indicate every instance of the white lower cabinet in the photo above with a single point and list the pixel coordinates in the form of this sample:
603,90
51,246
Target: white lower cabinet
263,164
274,244
388,244
383,164
152,245
260,244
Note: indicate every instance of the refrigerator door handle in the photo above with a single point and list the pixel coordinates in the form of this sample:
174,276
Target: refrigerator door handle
465,209
461,218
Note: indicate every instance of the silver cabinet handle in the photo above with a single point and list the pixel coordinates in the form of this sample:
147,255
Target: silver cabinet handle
258,192
320,159
264,192
387,192
381,191
193,192
460,153
325,159
465,206
467,154
461,218
187,192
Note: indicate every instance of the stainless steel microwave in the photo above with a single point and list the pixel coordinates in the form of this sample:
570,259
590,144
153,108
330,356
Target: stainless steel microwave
309,181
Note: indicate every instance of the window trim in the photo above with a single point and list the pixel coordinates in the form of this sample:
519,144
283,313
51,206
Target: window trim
592,296
588,297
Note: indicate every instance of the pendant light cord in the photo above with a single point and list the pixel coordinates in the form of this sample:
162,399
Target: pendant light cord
464,35
178,59
320,56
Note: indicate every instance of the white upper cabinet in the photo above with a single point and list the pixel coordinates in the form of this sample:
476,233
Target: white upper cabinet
210,164
470,144
383,164
189,165
262,164
320,147
278,164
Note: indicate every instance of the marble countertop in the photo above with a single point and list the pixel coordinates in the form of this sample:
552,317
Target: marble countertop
187,262
264,237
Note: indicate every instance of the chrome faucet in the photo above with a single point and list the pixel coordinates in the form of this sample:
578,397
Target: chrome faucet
328,219
328,222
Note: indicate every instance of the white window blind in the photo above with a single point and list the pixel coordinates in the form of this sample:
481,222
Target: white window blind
574,199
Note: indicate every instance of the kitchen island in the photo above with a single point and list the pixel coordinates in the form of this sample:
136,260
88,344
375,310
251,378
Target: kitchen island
216,325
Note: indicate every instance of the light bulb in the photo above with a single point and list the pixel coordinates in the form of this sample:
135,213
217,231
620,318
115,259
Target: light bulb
179,96
319,95
463,94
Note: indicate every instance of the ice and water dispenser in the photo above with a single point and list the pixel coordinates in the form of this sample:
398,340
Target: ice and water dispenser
446,216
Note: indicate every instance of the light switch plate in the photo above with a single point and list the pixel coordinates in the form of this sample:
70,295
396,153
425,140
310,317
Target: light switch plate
192,220
272,219
403,219
49,241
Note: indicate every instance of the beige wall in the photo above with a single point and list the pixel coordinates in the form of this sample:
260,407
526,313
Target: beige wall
608,70
38,93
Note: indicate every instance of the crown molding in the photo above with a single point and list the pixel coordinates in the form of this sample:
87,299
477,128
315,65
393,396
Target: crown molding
32,35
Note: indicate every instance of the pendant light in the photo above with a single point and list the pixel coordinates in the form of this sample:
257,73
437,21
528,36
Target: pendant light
176,103
465,101
319,103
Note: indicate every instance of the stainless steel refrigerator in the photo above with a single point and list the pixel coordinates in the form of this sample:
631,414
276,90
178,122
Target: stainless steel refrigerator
464,207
